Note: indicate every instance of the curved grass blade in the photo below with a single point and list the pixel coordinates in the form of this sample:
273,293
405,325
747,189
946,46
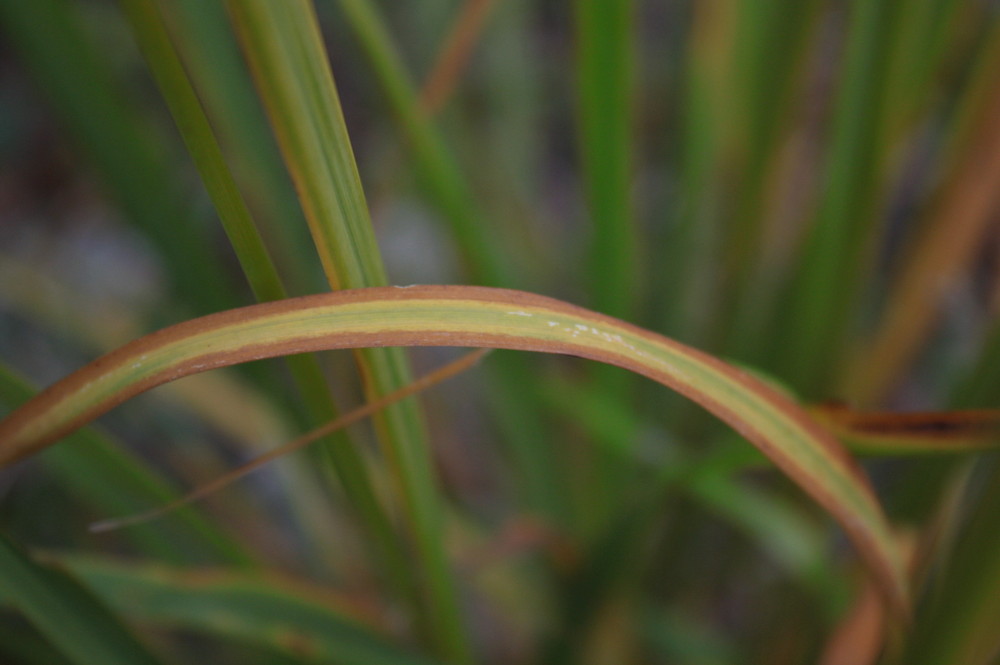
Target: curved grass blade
477,317
75,621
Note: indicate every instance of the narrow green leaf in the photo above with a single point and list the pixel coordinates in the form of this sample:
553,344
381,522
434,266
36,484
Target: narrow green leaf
204,37
687,274
604,81
451,192
440,173
291,67
471,316
604,77
255,261
264,610
770,46
837,250
75,621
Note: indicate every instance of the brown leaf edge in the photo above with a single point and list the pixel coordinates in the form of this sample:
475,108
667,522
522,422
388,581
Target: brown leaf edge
33,426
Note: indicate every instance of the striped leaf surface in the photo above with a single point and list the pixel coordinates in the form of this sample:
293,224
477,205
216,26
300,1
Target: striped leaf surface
475,317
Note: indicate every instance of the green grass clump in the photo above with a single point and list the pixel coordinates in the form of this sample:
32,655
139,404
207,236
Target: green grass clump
804,188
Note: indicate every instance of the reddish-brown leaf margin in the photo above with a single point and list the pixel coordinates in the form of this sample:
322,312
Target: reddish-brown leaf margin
574,331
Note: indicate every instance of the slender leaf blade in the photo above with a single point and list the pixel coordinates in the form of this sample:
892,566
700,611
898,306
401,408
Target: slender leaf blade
263,610
76,622
478,317
285,48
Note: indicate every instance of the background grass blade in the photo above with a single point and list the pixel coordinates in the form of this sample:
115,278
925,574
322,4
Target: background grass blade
454,55
693,237
442,176
470,316
957,226
838,246
605,37
479,245
766,75
203,35
110,479
960,627
285,49
604,81
196,131
75,621
258,268
50,36
266,611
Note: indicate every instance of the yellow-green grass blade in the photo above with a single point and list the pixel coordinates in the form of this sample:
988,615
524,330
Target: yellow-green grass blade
285,50
267,611
477,317
109,479
284,46
255,260
68,615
